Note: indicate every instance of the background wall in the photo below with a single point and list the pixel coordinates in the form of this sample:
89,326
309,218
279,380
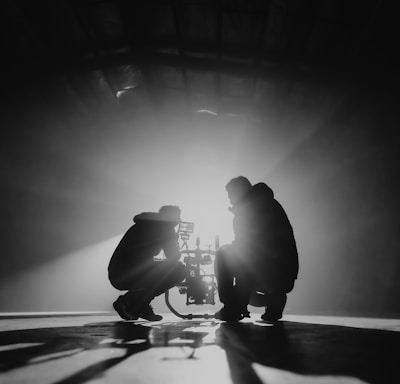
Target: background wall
71,181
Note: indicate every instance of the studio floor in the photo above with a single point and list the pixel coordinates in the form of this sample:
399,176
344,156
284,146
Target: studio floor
100,348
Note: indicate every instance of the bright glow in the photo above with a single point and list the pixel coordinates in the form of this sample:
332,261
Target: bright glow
120,93
211,218
207,279
125,90
207,111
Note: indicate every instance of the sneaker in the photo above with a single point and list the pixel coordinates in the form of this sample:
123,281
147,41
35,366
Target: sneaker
122,309
147,313
228,314
270,318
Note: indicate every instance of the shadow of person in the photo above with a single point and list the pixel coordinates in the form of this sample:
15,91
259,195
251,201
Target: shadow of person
131,337
28,347
311,351
135,338
35,346
190,334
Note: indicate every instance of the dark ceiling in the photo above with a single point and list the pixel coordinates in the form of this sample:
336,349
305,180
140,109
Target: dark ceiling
199,54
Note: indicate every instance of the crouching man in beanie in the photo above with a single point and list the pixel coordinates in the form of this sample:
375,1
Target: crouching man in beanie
132,267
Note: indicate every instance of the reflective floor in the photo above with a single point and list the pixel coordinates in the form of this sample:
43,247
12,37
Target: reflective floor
99,348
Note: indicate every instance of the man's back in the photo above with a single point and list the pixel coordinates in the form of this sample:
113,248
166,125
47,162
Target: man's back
143,240
264,231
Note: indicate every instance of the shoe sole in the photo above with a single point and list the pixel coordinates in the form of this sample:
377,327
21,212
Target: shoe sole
151,318
270,320
230,319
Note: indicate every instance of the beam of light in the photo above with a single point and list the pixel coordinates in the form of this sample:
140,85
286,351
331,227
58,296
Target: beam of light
55,355
125,170
11,347
74,282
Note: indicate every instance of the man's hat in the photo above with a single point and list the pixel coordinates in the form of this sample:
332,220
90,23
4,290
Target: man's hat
170,213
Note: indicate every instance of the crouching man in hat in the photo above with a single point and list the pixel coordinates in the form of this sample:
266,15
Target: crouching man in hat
132,267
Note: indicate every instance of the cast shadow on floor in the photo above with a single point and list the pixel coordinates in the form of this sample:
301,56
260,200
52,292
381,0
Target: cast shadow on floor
370,355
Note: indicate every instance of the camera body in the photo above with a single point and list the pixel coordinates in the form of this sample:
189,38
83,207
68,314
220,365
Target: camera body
200,287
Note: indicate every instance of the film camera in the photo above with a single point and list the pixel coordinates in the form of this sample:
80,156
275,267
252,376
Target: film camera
199,287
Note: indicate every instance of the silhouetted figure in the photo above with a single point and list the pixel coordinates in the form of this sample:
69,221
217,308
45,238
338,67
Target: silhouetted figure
261,265
133,268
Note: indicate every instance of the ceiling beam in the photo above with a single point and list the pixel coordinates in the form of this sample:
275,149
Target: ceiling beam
179,25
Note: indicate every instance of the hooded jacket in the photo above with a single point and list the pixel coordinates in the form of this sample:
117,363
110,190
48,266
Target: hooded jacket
264,234
151,233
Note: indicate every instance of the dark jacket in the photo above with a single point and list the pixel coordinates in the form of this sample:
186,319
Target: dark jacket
145,239
264,234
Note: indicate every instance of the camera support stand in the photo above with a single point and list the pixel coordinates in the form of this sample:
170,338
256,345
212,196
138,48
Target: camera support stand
199,288
188,316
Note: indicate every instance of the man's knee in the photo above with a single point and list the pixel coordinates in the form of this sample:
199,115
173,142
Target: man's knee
225,250
224,254
117,281
175,271
181,271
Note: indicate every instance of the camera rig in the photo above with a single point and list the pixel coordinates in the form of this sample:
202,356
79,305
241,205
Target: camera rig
200,288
